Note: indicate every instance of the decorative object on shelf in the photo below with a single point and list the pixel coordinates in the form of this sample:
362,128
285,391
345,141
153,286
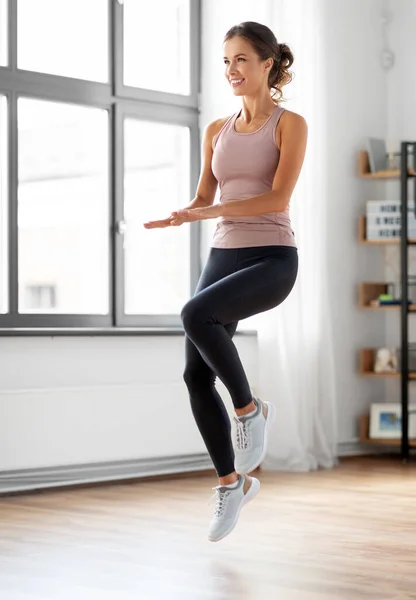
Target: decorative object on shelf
385,360
364,170
386,300
386,420
390,296
364,434
367,359
383,300
393,161
383,220
377,154
376,295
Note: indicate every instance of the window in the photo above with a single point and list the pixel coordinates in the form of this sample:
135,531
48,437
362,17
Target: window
63,205
65,37
3,33
93,142
4,238
156,181
157,45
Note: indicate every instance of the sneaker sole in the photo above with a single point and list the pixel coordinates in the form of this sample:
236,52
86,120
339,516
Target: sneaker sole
252,492
271,415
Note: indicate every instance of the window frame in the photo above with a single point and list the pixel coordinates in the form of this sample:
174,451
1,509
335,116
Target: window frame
120,101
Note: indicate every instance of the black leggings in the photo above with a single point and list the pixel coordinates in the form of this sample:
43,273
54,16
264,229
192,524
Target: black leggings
235,284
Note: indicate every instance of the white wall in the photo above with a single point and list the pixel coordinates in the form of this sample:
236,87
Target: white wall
357,107
80,400
401,80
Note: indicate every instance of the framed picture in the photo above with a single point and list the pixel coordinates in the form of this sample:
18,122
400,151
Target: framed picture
386,421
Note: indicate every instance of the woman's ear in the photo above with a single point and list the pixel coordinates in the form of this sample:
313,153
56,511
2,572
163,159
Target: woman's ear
268,64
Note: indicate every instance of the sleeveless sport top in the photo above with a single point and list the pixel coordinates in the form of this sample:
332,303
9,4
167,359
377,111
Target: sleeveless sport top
244,165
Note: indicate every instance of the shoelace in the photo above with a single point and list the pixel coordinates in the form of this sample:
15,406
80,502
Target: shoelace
221,497
243,435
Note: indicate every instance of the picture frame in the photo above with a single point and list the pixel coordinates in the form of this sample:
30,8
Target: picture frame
386,421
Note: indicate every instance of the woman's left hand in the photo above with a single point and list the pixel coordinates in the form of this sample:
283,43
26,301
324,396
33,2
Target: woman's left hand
198,214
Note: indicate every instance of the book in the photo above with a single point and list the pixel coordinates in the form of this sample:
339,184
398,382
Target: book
377,154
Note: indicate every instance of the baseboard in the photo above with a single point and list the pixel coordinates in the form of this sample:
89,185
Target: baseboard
61,476
355,448
54,477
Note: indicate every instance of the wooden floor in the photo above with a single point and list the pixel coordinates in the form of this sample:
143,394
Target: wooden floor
342,534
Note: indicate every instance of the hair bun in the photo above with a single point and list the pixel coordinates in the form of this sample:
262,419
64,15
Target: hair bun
284,48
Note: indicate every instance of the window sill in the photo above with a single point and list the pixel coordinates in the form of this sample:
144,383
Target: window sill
97,331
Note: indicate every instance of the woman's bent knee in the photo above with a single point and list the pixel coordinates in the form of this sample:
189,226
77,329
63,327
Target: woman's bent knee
192,314
187,314
197,378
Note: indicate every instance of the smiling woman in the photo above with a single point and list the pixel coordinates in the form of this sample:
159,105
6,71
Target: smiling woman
253,43
255,157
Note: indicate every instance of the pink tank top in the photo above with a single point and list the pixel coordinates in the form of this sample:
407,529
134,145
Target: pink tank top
244,165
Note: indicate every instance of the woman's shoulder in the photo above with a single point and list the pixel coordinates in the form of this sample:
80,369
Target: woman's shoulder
289,124
292,119
213,129
215,126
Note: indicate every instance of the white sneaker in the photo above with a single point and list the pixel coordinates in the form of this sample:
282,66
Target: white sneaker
229,503
250,437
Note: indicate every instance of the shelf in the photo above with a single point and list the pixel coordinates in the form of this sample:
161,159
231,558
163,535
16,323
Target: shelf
366,360
370,291
362,228
365,173
364,431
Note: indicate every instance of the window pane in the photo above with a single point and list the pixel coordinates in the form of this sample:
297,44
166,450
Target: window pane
4,237
63,210
3,33
65,37
156,181
157,58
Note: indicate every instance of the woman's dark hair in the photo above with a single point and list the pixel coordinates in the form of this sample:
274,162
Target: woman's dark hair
266,46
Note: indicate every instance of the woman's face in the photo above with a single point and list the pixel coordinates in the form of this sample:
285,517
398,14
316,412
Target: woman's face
244,71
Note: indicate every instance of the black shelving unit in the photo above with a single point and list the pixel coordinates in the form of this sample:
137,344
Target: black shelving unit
407,174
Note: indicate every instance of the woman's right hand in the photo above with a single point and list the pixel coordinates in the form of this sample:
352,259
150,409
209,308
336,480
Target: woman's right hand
174,220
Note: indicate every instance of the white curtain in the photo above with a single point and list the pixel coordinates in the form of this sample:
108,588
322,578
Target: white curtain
297,371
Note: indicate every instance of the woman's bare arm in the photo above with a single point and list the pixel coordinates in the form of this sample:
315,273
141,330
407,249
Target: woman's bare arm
207,185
